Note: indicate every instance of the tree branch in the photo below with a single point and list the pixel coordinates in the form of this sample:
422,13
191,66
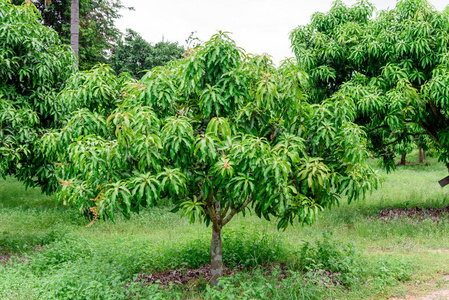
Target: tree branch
398,139
210,210
388,144
416,134
235,211
225,211
437,113
378,127
429,132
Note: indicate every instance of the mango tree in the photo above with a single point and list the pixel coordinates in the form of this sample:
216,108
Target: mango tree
34,65
220,133
392,69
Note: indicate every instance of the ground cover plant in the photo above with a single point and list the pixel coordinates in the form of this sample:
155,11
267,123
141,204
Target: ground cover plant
218,132
390,69
371,258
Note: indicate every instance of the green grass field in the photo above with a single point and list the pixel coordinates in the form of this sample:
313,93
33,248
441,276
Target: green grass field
369,258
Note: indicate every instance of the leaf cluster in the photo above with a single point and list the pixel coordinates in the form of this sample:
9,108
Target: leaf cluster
218,132
34,64
391,68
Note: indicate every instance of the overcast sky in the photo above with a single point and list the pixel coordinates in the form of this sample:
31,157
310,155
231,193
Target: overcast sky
258,26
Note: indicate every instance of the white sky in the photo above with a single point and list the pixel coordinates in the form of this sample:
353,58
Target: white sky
258,26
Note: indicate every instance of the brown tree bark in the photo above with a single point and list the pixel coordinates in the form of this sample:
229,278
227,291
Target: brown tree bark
421,156
219,219
74,25
403,161
216,259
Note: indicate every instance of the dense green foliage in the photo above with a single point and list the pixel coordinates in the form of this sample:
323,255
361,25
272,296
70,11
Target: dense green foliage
217,129
136,56
217,132
390,71
33,67
97,28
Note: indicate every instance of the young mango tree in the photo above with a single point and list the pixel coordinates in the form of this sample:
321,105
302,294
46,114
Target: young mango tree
34,65
221,133
393,69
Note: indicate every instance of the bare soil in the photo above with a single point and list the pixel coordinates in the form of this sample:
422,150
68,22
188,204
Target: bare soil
437,295
419,213
186,275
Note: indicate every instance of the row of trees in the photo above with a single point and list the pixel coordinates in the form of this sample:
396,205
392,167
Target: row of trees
136,56
89,26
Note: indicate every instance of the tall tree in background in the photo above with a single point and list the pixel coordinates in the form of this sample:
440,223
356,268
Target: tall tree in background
34,66
74,25
97,30
391,70
135,55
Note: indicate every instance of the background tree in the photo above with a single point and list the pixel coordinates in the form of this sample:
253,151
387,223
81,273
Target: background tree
74,25
97,30
135,55
218,132
392,69
34,65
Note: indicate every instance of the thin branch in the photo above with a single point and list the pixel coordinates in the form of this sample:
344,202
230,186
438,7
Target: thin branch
398,139
417,133
429,132
235,211
437,113
378,127
225,211
388,144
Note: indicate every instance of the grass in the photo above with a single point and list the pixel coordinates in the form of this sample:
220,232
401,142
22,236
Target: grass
373,259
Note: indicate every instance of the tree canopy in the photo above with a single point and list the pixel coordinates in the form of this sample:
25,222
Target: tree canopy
391,69
34,64
97,30
219,132
136,56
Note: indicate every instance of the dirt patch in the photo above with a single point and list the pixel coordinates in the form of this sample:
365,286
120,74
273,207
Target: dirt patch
186,275
419,213
195,277
437,295
438,251
4,258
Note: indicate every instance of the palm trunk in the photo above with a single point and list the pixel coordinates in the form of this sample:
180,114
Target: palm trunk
74,26
216,260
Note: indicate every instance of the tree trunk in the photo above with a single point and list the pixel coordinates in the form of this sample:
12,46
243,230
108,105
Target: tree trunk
216,260
74,25
421,157
403,161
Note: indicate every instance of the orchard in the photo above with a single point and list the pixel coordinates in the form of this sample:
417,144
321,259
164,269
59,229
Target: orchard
217,134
